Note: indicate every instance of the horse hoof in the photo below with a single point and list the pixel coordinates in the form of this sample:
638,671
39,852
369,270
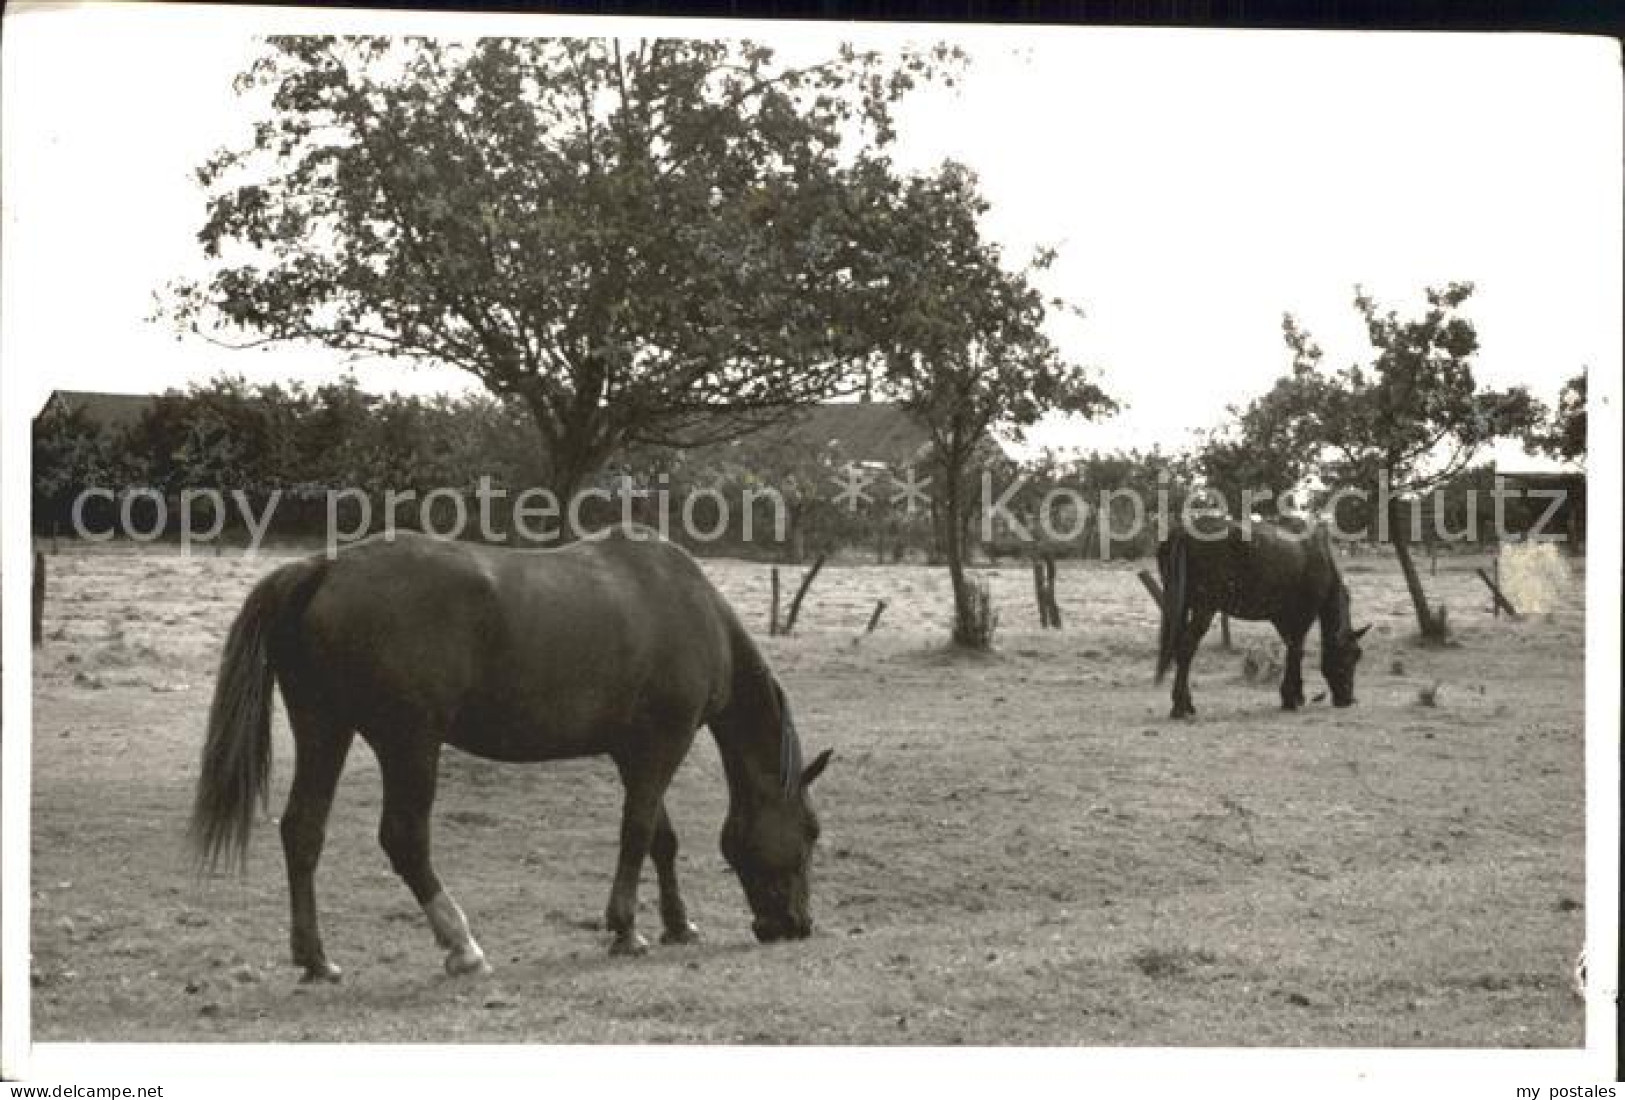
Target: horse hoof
470,964
323,971
631,944
689,933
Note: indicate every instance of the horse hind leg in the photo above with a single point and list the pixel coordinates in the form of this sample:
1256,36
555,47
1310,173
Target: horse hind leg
320,748
409,766
1184,655
673,913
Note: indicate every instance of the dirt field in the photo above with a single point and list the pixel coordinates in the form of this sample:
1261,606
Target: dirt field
1020,848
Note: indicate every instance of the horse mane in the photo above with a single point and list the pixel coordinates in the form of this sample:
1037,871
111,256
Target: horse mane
1342,621
790,760
756,686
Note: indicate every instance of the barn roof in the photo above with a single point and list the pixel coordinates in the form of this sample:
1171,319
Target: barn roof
866,431
112,410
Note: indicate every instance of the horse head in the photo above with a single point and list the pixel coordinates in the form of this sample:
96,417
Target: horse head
1338,662
769,845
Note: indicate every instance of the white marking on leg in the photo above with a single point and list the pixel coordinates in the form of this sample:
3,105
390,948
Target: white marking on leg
451,932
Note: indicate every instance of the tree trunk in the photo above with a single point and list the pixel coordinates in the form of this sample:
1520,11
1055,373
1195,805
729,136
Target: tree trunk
575,454
933,550
1400,536
953,547
1049,591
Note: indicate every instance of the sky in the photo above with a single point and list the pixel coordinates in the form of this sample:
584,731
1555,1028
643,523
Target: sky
1196,185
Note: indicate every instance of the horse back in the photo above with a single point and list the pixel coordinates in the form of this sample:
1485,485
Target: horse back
1260,571
522,655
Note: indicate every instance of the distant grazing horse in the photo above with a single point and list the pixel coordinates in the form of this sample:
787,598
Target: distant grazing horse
616,646
1285,575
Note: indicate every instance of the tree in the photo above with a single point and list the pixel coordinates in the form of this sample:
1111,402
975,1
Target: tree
1260,451
71,453
625,237
1563,436
1409,421
969,351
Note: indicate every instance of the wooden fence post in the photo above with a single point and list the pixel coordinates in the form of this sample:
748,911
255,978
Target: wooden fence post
1049,611
773,612
801,594
1501,602
1151,586
37,629
1051,605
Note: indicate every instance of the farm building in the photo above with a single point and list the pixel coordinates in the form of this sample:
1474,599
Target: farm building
109,410
869,432
1563,491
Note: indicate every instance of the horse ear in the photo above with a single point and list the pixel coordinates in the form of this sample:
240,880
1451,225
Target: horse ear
816,768
1358,634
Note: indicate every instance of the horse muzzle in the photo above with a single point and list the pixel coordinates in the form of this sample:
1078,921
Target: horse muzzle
778,931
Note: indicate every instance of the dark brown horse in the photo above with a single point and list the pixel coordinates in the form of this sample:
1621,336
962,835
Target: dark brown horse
1285,575
616,645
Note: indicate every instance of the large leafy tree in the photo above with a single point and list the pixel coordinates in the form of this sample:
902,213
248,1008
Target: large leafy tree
622,236
72,452
969,352
1413,418
1258,451
1564,434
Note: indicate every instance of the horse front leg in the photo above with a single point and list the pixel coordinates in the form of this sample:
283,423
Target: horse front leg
645,775
673,913
1183,706
1292,674
409,766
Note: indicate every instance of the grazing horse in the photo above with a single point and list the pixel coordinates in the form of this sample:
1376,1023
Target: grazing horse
617,645
1285,575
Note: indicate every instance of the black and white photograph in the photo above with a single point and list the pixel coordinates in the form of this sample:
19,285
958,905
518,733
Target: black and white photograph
567,550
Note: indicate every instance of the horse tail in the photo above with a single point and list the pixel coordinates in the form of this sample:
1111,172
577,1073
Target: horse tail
1173,562
236,769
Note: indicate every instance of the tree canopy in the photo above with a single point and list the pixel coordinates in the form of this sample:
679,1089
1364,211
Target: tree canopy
624,236
1563,436
968,349
1414,414
1261,450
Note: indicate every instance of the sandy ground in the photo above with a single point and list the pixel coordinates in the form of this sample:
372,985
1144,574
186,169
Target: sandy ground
1019,848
